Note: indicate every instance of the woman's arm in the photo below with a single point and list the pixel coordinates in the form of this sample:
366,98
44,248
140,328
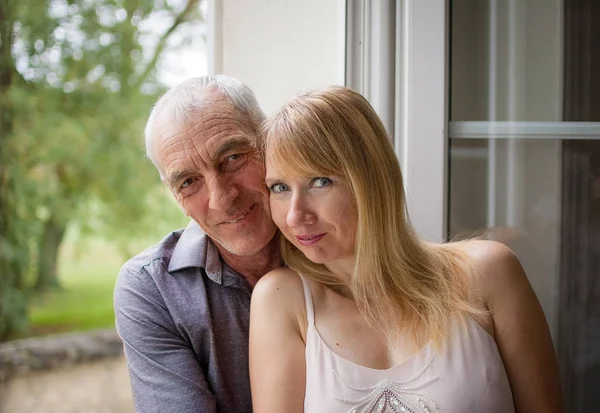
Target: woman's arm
277,345
520,329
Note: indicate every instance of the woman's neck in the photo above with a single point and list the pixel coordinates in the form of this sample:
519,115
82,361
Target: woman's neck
343,270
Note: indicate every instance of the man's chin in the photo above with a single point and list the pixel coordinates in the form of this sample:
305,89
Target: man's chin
247,247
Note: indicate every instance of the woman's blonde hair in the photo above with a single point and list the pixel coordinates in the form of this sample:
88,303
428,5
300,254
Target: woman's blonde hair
400,283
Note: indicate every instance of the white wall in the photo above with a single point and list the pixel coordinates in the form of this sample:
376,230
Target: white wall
278,47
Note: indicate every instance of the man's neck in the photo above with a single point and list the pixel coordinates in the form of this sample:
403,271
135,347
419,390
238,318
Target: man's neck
253,267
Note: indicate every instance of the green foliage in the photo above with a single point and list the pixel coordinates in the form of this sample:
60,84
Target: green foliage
71,151
88,279
13,241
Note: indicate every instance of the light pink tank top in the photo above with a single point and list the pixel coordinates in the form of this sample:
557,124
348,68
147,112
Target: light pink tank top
466,376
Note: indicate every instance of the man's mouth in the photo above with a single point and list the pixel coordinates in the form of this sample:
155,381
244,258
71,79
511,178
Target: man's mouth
240,217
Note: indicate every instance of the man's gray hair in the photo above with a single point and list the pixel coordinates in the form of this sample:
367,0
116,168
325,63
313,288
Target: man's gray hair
182,102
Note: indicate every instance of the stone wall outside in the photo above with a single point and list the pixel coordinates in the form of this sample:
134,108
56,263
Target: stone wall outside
101,386
82,372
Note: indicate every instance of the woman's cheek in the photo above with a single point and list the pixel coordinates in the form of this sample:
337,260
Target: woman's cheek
278,212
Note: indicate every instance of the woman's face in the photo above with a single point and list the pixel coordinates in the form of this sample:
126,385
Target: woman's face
317,214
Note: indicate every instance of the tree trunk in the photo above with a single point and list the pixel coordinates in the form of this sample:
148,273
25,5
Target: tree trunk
47,271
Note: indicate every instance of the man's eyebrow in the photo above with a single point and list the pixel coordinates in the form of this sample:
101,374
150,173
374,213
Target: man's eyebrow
231,144
226,147
175,177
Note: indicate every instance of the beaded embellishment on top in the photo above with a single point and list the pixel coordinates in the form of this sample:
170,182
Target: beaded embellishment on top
390,396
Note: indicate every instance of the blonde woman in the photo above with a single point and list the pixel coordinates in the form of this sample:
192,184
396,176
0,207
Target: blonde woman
368,317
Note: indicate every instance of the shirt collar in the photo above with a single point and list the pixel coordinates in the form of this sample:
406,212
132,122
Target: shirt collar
196,250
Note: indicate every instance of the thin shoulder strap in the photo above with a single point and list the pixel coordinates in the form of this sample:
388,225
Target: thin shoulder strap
310,312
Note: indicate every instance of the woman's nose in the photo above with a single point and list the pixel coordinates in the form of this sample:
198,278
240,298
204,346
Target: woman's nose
299,214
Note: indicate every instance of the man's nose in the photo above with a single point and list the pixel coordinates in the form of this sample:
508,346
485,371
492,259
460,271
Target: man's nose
299,213
222,193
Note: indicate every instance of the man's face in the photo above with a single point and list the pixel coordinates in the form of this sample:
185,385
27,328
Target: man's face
214,170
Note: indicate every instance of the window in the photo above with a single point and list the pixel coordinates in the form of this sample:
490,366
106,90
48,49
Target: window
525,159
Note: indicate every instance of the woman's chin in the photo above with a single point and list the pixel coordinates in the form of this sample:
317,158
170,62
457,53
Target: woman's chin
316,258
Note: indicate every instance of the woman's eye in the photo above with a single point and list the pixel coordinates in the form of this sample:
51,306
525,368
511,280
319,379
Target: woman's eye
277,188
321,182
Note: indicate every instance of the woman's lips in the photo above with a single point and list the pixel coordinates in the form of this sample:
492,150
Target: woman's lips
308,240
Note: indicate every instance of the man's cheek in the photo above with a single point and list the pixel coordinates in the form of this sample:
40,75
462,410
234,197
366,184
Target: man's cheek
254,181
184,207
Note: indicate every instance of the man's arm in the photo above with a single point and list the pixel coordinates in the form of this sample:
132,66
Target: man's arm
164,371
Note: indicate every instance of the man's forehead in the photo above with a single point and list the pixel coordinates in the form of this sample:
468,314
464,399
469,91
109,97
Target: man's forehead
210,120
203,156
210,142
213,124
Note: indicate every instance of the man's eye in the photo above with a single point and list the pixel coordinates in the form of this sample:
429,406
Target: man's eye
278,188
321,182
233,162
234,157
187,182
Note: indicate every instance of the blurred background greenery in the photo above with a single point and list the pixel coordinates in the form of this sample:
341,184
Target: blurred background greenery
77,196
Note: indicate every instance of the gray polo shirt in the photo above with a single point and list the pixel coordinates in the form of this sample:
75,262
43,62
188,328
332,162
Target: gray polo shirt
183,317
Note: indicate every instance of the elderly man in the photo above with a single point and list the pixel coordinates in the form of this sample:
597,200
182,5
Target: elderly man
182,306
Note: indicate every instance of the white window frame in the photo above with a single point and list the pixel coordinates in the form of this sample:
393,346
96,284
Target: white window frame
396,56
214,37
524,130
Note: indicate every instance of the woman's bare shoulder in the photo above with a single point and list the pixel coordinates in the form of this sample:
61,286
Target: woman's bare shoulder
281,279
520,328
491,258
281,290
277,342
498,270
482,249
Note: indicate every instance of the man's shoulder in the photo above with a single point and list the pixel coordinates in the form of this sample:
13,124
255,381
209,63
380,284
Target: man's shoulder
159,253
152,276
